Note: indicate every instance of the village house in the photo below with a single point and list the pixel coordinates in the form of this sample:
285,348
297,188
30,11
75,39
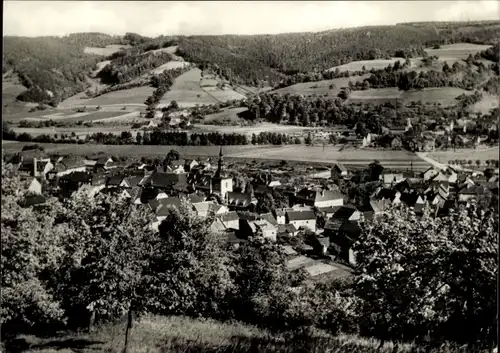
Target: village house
287,230
238,201
302,219
230,220
280,216
344,240
36,167
390,179
176,167
66,166
328,212
319,198
347,213
339,171
266,229
189,164
390,194
35,187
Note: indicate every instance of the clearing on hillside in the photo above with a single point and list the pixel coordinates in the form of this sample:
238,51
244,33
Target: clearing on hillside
169,66
485,105
368,64
321,87
457,51
442,95
134,97
186,91
254,129
108,50
227,115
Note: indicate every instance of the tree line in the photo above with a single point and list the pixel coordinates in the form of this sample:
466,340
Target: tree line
89,259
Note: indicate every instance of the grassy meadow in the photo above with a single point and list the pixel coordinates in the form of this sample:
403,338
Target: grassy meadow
321,87
154,334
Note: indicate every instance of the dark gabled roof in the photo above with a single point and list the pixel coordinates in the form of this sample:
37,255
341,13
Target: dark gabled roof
344,212
318,196
114,180
300,215
330,210
162,206
286,228
195,198
73,162
102,160
133,180
166,180
410,199
230,216
333,224
78,177
239,199
386,194
351,230
33,200
270,218
340,167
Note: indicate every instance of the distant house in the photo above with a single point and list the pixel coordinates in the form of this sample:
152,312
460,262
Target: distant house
287,229
447,175
240,201
328,212
35,187
170,183
280,216
321,245
317,198
131,181
302,219
189,164
396,143
347,213
230,220
204,209
472,192
380,206
68,166
38,168
338,171
269,217
35,200
390,179
266,229
391,195
344,240
176,167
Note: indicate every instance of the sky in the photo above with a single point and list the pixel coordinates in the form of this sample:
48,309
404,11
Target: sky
152,18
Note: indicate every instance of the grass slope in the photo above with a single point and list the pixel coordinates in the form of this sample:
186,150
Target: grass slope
180,334
321,87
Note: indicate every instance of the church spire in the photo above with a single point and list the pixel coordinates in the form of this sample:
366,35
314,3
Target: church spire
219,166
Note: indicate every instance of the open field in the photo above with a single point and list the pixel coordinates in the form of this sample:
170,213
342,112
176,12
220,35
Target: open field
443,95
131,97
467,154
108,50
228,114
485,105
458,51
252,129
356,158
321,87
186,91
368,64
169,66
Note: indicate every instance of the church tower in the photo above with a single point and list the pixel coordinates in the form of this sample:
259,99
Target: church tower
221,183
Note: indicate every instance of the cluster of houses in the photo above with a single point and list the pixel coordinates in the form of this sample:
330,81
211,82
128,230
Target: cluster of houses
325,223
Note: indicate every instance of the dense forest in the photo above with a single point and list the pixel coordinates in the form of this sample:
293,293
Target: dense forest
60,66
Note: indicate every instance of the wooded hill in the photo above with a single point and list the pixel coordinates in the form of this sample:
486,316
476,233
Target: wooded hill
60,64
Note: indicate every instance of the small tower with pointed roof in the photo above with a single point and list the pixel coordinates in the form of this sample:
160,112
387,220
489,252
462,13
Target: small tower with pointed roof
221,183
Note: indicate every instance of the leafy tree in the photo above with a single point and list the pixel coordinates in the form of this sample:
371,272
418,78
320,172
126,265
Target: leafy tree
191,267
435,276
266,203
106,258
31,253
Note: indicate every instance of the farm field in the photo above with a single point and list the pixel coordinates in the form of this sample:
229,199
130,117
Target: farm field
321,87
253,129
443,95
368,64
131,97
169,66
486,104
390,159
483,154
458,51
186,91
108,50
228,114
